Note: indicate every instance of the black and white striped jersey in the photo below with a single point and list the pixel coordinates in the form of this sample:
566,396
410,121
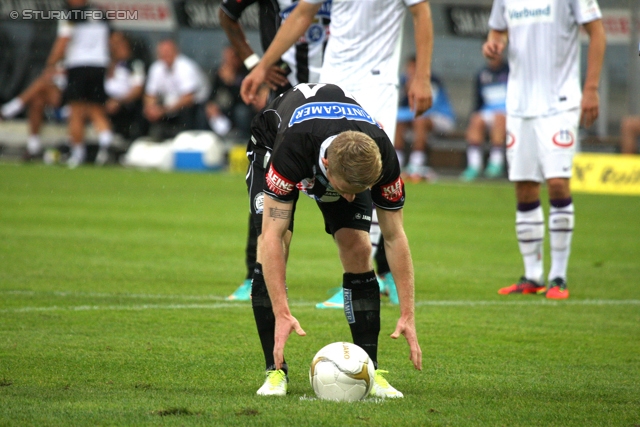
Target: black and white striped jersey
305,57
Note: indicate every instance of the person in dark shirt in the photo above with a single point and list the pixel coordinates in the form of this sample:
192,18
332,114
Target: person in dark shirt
299,64
316,140
225,109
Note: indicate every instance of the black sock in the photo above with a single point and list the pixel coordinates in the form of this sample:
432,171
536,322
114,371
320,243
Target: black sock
263,314
381,259
362,308
251,249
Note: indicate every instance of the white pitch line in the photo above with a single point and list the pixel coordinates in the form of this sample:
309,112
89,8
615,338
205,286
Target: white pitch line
215,306
116,295
542,302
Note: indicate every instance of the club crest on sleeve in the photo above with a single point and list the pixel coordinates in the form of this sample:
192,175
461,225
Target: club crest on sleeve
278,184
258,202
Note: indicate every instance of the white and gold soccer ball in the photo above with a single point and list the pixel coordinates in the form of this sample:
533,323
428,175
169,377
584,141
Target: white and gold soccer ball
341,371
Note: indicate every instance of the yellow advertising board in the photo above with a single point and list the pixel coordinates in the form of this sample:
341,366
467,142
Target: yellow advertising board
606,173
238,161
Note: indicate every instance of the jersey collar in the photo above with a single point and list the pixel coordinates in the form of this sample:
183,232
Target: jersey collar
323,153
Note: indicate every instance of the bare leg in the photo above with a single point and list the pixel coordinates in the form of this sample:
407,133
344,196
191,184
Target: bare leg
629,132
77,116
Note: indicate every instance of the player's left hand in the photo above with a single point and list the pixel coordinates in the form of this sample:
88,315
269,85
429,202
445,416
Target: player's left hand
285,325
408,329
276,77
589,107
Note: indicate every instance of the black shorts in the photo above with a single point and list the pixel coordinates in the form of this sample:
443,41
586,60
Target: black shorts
86,84
344,214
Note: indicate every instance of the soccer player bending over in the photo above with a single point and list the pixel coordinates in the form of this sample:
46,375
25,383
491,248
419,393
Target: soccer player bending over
317,140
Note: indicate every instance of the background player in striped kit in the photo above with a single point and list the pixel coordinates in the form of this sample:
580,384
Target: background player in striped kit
301,64
545,106
363,57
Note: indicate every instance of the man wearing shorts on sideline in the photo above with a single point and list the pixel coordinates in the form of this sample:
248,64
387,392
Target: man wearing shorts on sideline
83,42
544,109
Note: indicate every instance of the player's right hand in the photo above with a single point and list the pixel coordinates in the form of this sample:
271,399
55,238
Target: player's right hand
251,83
408,329
492,49
285,325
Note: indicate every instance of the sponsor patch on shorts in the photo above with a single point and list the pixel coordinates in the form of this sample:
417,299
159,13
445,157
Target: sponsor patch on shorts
258,202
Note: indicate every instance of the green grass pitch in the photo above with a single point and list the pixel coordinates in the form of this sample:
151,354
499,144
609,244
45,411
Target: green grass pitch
112,311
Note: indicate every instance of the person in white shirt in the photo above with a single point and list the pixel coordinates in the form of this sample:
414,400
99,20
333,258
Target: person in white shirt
545,106
362,54
175,93
362,57
83,42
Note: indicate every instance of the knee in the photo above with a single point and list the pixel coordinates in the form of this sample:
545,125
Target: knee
475,130
527,191
558,188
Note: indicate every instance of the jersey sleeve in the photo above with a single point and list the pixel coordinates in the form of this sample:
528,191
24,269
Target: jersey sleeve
410,3
138,74
152,87
586,11
235,8
389,193
65,28
497,19
289,166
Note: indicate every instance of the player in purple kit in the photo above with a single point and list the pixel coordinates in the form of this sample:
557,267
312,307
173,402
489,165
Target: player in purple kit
545,105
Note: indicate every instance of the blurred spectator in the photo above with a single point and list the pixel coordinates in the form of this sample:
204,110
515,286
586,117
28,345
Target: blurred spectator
225,109
440,118
83,42
489,116
629,133
175,93
124,86
45,91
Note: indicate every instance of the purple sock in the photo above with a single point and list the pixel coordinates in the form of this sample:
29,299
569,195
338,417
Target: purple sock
525,207
561,203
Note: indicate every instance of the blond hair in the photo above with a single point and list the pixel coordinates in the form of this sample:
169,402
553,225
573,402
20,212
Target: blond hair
355,157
